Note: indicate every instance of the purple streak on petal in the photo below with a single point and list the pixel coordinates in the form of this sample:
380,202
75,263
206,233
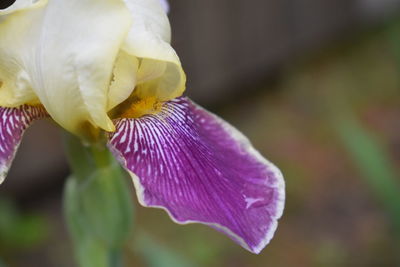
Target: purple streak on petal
165,5
200,169
13,123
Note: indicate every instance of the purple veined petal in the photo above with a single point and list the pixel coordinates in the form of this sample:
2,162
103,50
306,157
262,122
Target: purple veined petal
165,5
13,123
200,169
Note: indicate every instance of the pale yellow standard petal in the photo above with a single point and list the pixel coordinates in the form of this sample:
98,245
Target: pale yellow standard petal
160,72
124,79
64,52
14,80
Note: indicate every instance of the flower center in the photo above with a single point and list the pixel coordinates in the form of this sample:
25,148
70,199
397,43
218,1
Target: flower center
136,107
141,107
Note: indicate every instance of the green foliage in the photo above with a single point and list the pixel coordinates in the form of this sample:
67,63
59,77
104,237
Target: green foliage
374,164
19,230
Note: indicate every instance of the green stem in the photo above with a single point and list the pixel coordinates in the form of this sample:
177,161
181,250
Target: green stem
78,156
84,158
101,155
98,205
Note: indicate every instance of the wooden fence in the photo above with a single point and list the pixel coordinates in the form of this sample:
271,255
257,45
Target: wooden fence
227,44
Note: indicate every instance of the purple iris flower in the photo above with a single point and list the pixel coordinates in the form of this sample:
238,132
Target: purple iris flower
115,74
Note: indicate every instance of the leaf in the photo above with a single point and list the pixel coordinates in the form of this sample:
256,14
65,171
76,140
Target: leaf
373,162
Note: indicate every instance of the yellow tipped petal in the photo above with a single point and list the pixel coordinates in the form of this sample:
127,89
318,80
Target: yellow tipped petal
160,71
63,52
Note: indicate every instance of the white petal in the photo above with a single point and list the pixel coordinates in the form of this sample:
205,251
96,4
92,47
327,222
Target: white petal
149,39
64,52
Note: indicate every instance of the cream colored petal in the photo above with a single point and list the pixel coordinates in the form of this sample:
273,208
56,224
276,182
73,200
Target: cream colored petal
169,85
150,69
65,51
14,80
149,39
124,79
15,88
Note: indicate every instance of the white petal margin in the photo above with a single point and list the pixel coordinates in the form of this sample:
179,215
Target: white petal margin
200,169
13,123
64,52
149,39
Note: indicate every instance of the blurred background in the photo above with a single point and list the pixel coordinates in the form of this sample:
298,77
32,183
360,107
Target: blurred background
314,84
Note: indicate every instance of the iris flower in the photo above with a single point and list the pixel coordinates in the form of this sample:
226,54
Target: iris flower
105,68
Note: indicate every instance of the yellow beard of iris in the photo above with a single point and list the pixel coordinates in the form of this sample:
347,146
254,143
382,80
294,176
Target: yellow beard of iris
132,108
140,107
136,106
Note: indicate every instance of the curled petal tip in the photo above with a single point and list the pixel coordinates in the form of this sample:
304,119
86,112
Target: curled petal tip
200,169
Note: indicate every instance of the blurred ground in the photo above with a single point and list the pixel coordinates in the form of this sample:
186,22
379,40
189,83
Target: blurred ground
301,119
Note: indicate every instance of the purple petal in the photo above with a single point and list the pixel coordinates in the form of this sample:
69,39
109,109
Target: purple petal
13,123
200,169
